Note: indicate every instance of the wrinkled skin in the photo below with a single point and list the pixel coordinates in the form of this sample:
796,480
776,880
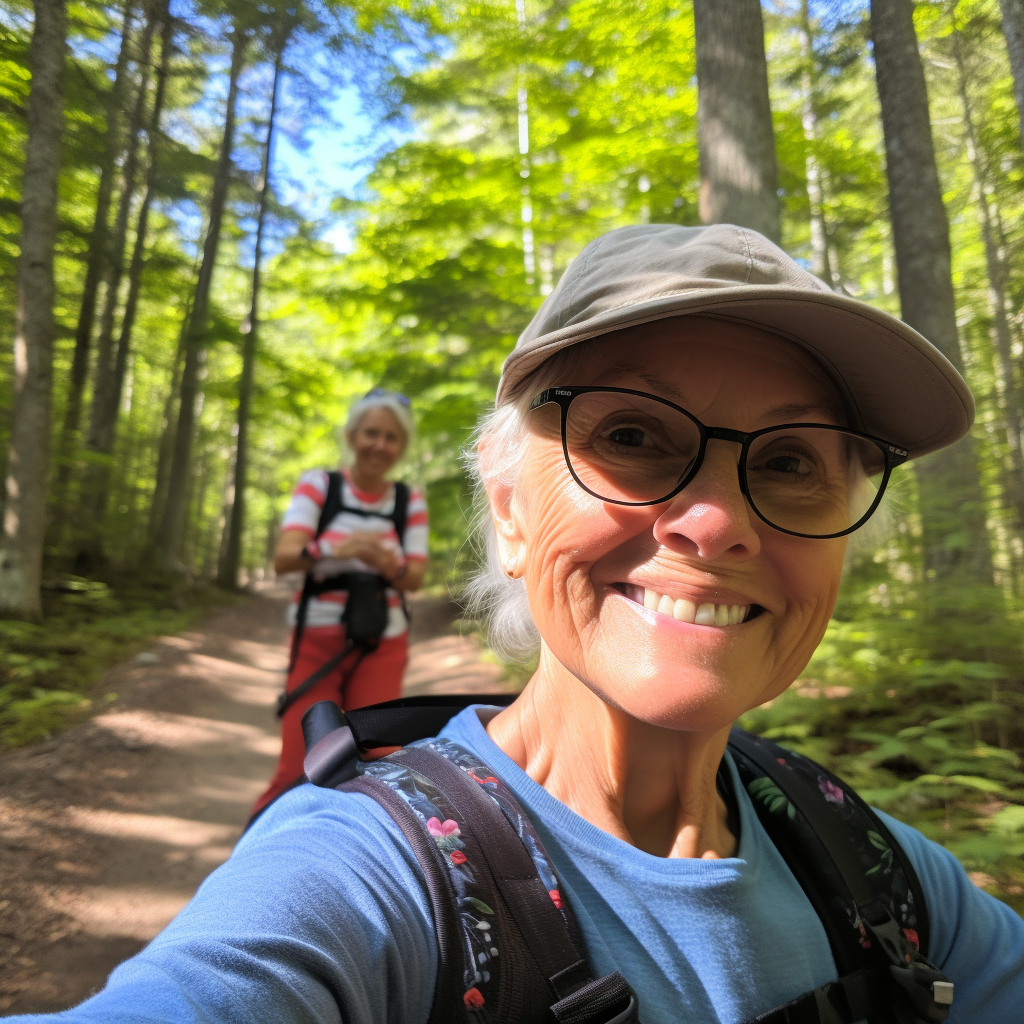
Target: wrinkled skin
627,717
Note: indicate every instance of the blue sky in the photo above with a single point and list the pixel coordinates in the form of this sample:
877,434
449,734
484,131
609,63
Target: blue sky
333,159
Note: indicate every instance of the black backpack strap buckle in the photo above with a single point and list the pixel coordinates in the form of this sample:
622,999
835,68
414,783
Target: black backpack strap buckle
929,991
607,1000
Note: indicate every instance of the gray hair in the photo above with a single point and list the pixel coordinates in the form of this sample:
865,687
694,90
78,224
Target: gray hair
491,596
382,400
495,599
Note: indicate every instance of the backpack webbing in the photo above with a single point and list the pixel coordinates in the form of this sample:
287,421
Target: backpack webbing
509,949
334,502
852,870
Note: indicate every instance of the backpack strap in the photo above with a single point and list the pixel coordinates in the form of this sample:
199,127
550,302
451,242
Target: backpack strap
400,513
333,504
852,870
507,943
859,881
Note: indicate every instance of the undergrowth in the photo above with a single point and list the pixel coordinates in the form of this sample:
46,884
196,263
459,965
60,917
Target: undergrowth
48,669
936,743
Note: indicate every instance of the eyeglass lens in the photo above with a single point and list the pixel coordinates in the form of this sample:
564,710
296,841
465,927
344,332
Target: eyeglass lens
814,481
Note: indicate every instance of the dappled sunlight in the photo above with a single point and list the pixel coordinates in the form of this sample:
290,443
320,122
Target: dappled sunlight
164,729
136,912
154,828
230,789
449,664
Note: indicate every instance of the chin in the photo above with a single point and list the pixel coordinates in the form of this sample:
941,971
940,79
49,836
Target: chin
685,698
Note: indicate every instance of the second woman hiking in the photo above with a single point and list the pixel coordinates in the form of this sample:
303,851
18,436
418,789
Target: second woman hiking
361,539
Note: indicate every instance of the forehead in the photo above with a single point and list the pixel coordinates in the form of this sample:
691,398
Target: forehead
379,418
701,362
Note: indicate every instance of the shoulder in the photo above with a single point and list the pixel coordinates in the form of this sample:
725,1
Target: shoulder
415,492
417,509
976,940
315,478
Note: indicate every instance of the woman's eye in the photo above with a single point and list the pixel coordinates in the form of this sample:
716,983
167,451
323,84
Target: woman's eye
630,437
785,464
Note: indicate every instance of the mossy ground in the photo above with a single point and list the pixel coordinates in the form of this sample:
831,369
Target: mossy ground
48,670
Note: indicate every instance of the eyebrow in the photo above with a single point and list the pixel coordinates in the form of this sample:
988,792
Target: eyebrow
783,412
799,410
653,381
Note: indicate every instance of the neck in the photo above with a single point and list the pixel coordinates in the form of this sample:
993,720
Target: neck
650,786
371,483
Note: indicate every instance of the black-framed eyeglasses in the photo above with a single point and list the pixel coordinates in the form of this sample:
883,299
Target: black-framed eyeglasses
805,479
384,393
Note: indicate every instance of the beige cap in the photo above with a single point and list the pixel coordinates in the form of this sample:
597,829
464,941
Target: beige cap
895,382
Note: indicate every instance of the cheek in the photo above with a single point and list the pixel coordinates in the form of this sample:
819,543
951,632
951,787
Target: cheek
809,576
565,530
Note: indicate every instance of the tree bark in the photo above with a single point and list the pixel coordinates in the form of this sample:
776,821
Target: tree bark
809,119
172,525
21,545
111,360
1013,484
734,120
227,570
952,506
1013,29
95,267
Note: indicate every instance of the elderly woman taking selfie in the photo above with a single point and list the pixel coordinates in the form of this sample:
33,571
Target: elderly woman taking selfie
683,441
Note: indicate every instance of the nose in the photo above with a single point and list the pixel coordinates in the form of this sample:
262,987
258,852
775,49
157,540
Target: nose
710,517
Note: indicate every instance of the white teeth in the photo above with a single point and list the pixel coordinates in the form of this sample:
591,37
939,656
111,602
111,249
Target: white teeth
706,614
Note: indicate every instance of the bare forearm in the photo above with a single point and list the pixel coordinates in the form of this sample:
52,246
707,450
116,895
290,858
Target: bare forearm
412,578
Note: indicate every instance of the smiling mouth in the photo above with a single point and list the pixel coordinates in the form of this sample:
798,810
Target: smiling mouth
705,614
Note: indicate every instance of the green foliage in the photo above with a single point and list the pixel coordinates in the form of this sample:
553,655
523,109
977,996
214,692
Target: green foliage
47,671
938,744
525,138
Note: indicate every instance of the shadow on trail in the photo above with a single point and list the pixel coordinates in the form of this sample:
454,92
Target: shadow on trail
107,830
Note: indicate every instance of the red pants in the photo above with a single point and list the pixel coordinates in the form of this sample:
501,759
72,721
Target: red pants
377,678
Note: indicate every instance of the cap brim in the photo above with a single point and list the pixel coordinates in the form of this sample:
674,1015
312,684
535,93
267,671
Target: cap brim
896,383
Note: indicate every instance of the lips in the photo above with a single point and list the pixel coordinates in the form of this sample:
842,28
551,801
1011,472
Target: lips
706,613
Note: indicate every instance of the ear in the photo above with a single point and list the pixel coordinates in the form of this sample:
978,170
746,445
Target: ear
511,541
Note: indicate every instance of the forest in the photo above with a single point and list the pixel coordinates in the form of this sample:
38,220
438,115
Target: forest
180,339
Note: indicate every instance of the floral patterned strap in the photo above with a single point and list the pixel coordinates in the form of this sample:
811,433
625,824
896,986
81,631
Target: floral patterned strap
849,865
497,979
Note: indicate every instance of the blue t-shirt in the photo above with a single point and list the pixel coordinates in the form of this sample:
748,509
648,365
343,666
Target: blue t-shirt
320,915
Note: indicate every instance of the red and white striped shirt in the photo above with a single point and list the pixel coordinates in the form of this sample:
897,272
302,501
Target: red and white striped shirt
304,514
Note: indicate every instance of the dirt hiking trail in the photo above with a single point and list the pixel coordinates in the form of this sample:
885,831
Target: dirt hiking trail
107,830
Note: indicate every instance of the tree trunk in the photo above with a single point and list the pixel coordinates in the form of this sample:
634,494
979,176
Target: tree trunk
1013,485
21,545
734,118
169,427
227,570
1013,28
815,190
112,361
95,267
172,525
952,507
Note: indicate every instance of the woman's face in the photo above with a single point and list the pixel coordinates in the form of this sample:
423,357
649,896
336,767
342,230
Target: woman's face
589,564
377,442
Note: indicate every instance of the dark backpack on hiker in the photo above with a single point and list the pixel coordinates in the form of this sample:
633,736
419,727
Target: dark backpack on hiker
365,617
509,948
